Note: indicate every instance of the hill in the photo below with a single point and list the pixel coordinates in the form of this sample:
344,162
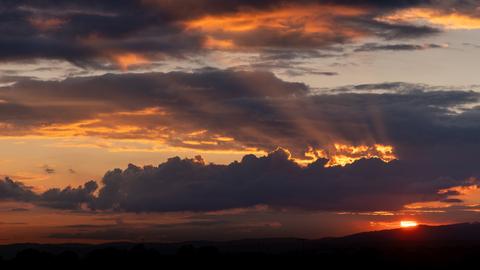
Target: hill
422,247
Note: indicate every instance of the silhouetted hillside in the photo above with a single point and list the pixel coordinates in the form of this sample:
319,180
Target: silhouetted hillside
423,247
445,234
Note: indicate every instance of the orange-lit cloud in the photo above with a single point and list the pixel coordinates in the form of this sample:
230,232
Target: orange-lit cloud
130,126
45,24
466,196
213,43
374,213
314,18
448,20
84,128
128,131
125,60
143,112
120,125
427,205
344,154
225,31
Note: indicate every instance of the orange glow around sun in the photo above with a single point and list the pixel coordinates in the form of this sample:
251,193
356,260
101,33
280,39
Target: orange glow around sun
408,224
345,154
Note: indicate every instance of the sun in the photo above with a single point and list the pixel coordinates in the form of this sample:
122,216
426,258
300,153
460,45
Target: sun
408,224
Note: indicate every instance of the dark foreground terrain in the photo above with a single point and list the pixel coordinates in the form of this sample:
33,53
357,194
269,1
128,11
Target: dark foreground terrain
424,247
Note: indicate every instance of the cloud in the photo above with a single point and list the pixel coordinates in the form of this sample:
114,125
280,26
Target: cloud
369,47
129,34
68,198
49,170
15,191
449,16
196,111
165,100
90,35
307,26
428,136
275,180
399,30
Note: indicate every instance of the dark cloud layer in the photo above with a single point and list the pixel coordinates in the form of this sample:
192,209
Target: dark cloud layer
189,185
67,198
16,191
274,180
434,133
97,33
267,112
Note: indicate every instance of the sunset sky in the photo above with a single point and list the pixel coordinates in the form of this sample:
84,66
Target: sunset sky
161,120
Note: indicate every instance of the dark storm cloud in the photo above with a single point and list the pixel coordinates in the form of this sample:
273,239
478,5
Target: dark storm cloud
93,33
188,185
16,191
197,7
83,32
67,198
274,180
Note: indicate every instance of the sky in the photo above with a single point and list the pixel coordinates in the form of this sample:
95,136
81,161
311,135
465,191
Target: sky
159,120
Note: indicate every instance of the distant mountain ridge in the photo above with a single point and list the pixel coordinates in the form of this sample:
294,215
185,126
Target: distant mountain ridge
453,234
460,232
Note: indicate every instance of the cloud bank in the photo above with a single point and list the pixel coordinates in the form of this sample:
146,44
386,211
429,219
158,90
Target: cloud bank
196,111
430,134
125,34
274,180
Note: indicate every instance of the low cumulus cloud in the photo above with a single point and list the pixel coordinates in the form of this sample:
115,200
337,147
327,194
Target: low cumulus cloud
14,190
274,180
70,198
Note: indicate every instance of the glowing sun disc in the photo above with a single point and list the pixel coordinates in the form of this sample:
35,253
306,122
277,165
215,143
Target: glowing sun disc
408,224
